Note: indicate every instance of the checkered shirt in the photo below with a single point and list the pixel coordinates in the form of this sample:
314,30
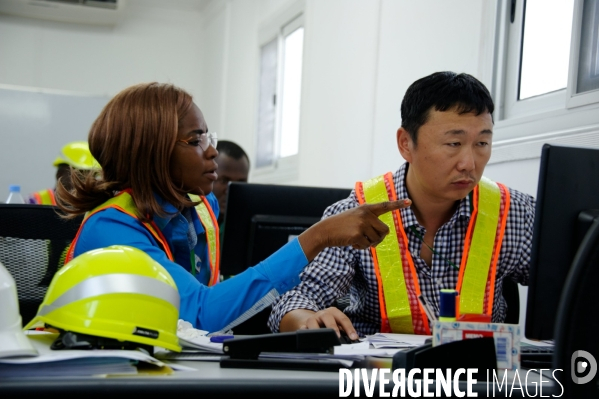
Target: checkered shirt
339,270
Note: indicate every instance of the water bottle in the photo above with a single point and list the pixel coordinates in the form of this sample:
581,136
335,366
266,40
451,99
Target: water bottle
15,196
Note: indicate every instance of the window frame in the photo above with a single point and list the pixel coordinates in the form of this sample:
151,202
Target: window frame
512,106
285,22
519,134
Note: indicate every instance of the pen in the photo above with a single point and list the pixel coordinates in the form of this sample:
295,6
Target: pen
429,313
220,338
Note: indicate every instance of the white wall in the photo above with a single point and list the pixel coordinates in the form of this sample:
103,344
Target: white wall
359,58
153,42
415,42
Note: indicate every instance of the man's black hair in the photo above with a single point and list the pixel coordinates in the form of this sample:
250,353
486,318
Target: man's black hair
231,149
443,91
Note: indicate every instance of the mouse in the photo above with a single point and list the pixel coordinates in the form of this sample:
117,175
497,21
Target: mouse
345,339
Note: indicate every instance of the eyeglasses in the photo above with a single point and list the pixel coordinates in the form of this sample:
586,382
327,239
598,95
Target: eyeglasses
203,141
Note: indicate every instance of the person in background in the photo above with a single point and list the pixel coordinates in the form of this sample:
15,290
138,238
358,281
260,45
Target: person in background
233,165
462,232
154,148
73,156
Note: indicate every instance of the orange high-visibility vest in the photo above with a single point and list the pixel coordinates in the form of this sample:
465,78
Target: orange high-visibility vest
44,197
124,202
401,311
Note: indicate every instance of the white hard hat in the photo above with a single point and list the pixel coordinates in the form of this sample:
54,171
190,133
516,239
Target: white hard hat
13,341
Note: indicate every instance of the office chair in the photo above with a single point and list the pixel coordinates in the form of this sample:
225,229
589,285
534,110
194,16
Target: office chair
577,322
512,298
33,242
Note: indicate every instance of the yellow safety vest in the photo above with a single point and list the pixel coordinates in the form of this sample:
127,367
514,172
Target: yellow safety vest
401,311
124,203
210,224
44,197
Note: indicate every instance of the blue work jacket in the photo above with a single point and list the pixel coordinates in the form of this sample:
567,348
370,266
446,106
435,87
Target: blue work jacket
215,308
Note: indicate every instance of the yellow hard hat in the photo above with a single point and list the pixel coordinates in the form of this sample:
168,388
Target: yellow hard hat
77,155
117,292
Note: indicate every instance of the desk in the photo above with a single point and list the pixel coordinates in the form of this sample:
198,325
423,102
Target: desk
209,380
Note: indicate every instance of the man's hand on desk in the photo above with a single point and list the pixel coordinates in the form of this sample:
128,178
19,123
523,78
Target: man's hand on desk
304,319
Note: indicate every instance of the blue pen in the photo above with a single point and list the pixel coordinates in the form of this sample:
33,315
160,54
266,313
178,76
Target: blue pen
220,338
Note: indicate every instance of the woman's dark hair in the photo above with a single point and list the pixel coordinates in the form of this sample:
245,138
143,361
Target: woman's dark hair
132,139
443,91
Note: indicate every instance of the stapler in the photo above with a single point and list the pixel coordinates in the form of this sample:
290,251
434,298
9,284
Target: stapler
305,341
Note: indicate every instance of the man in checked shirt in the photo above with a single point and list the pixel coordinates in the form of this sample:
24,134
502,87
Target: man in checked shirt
462,232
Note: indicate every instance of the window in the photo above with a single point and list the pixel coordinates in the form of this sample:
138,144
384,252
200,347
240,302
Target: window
279,103
546,78
545,47
583,85
539,36
291,92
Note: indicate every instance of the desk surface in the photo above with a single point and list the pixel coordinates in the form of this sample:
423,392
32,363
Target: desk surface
209,379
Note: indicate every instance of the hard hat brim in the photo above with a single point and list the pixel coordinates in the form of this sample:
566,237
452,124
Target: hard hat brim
167,341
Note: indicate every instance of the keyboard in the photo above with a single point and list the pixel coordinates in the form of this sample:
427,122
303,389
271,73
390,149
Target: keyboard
536,357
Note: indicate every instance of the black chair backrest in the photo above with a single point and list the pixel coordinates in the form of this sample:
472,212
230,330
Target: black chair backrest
33,243
512,298
577,322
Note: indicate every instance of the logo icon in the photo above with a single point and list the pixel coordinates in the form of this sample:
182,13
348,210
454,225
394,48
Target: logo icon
584,367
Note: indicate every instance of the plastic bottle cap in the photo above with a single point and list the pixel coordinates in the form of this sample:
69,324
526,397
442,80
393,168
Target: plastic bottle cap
14,188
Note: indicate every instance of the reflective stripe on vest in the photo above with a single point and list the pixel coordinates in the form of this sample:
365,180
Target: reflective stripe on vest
481,252
398,288
478,269
45,197
210,224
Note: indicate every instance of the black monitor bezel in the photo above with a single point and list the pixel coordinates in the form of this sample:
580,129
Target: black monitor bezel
568,176
247,200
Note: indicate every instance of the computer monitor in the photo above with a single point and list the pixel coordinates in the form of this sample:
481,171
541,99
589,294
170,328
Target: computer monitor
567,204
261,218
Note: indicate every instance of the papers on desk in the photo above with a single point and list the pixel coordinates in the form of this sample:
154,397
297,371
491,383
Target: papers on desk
363,349
75,362
397,341
195,343
343,360
167,355
201,344
382,345
71,367
197,340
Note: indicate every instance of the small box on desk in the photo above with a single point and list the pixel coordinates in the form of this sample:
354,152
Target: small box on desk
506,337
